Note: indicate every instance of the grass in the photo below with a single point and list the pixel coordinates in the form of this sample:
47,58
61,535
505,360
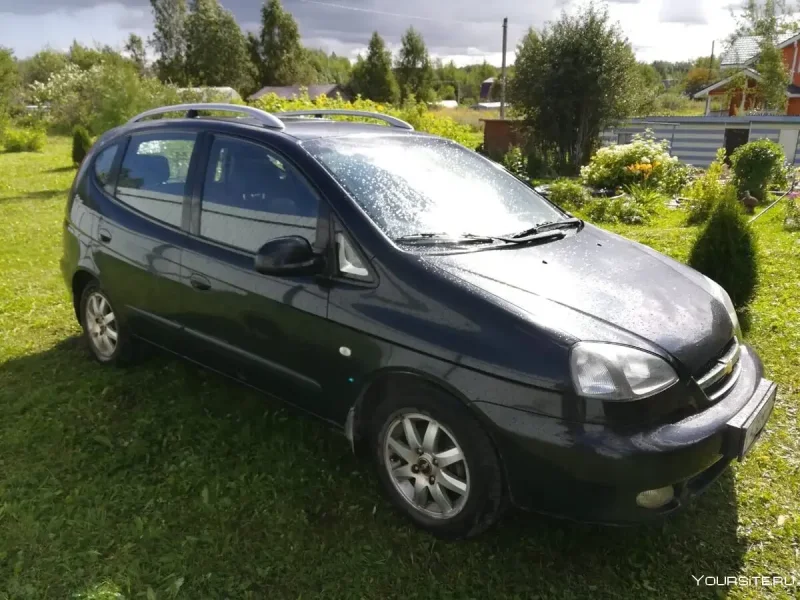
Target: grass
165,481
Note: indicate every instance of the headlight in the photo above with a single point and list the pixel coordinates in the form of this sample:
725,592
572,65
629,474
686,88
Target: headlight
618,373
720,294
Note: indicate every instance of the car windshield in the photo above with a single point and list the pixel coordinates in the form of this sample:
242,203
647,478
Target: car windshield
412,184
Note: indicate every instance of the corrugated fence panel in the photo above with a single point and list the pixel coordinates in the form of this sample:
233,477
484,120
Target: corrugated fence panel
761,134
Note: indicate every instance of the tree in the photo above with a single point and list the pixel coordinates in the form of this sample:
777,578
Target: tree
572,80
372,76
414,71
282,59
134,46
41,66
216,49
9,82
697,79
765,20
169,40
328,68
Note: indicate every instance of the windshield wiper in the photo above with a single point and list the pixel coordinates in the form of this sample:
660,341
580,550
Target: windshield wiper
440,239
425,239
549,226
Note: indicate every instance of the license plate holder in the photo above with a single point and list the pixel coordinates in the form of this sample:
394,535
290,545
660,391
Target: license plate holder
747,425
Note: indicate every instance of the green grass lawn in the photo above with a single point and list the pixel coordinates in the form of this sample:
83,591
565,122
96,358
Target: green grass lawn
164,481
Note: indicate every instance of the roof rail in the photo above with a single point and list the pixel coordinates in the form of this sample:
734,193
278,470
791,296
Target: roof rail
320,112
264,118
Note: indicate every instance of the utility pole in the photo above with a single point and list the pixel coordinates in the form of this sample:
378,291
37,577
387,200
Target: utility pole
503,72
708,81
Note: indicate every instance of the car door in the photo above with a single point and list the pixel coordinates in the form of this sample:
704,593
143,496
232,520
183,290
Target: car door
261,329
140,234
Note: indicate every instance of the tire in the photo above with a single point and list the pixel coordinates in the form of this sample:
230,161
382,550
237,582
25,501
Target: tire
472,487
105,334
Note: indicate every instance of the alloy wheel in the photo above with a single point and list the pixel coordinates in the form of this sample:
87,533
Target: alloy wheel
427,465
101,324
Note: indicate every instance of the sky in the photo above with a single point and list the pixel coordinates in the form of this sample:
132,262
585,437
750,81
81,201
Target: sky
467,31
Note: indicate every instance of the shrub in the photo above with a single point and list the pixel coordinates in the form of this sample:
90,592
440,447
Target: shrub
705,192
791,221
644,161
675,179
756,165
81,142
515,162
415,113
725,251
568,193
24,140
636,207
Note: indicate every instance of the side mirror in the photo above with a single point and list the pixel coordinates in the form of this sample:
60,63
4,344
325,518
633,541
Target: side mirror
291,255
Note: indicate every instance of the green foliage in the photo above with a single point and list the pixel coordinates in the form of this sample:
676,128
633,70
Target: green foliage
569,194
42,65
572,79
282,57
417,114
707,191
169,40
726,252
216,49
373,77
756,165
134,46
329,68
791,221
637,206
81,143
101,98
9,81
24,140
644,160
414,71
515,162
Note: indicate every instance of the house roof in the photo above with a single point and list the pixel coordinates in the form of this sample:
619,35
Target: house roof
287,92
740,52
747,72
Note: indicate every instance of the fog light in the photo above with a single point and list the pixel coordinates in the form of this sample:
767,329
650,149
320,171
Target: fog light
655,498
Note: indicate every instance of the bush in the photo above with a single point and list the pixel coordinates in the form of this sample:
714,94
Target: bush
636,207
644,161
24,140
791,221
515,162
705,192
725,251
81,143
568,193
756,165
415,113
99,98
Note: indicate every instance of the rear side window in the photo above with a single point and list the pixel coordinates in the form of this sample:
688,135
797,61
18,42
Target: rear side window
102,167
251,196
153,175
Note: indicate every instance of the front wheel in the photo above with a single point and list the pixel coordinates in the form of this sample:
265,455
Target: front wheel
437,464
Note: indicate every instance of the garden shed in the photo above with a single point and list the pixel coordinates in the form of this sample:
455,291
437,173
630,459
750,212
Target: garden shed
695,140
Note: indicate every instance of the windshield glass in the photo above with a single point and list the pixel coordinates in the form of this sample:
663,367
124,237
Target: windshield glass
413,184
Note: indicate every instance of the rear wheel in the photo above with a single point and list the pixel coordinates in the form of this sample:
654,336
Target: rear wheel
437,464
105,333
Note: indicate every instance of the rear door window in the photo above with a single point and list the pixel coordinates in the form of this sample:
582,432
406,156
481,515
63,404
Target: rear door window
102,168
154,173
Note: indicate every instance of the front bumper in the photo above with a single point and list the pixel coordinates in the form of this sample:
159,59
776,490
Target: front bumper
593,473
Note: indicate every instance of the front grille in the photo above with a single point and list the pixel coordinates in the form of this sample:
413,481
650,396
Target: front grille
723,373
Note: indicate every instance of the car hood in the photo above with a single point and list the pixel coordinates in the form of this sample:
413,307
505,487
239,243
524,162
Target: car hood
626,286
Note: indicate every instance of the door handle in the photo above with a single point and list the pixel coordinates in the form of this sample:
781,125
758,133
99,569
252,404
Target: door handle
105,236
199,282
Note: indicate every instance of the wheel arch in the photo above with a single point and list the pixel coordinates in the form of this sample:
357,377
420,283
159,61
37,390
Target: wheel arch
80,280
398,378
